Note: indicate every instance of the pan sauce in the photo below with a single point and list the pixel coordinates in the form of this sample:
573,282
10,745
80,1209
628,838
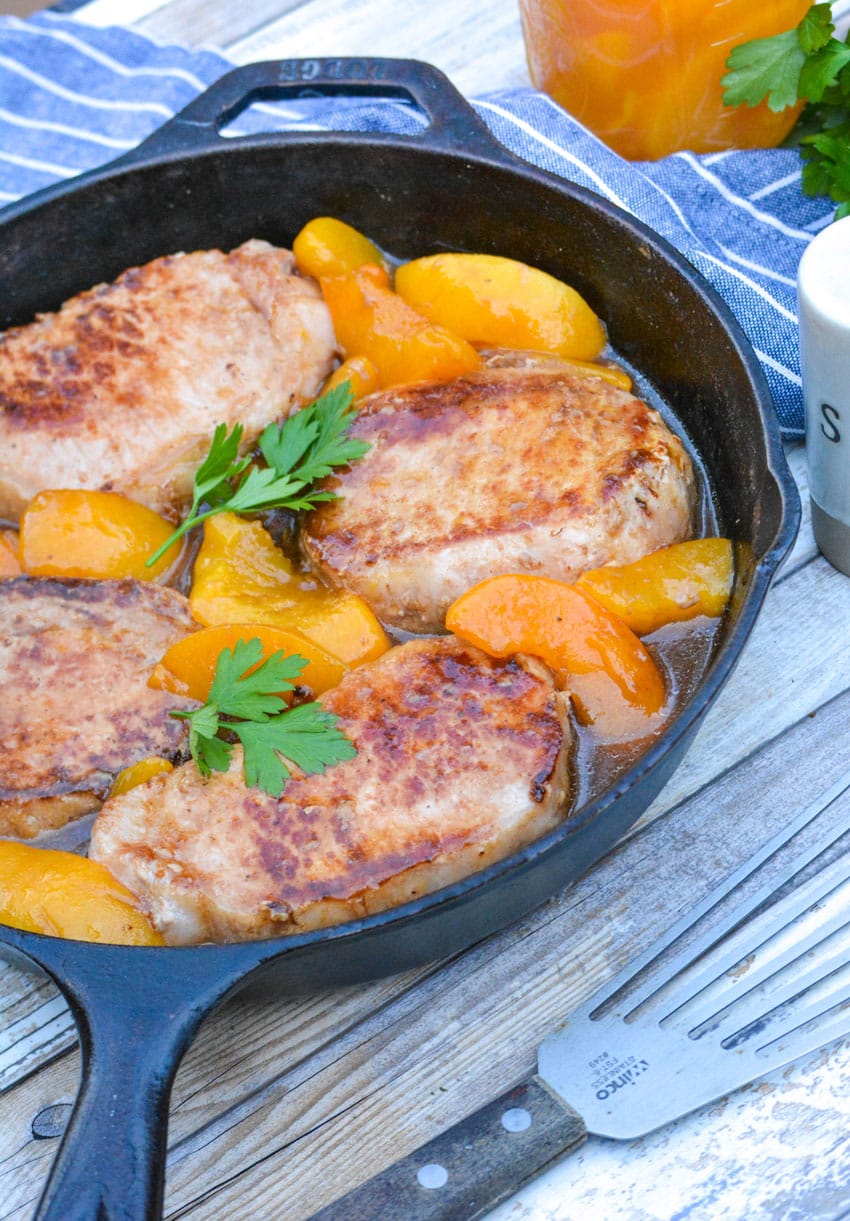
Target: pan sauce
683,650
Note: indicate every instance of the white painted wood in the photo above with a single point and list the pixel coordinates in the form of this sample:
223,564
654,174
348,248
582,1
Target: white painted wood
477,43
782,1125
32,1041
198,23
101,13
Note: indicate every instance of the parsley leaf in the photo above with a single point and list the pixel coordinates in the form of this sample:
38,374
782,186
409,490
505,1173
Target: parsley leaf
315,440
306,735
246,686
309,744
211,754
306,447
221,465
821,70
764,68
809,65
827,168
816,28
246,700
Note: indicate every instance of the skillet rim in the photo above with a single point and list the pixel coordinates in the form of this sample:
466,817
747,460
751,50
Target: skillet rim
475,146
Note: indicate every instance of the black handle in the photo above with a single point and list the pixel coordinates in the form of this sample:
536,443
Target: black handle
453,124
468,1169
136,1013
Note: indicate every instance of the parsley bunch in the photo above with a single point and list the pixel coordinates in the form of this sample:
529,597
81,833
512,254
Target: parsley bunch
246,701
805,64
303,449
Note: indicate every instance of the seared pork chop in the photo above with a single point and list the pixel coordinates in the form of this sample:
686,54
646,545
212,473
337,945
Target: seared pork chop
75,707
461,760
535,470
122,388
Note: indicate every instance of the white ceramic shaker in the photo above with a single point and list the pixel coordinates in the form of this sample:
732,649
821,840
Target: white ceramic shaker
823,297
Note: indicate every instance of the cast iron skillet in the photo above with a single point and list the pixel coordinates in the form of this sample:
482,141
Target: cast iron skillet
452,187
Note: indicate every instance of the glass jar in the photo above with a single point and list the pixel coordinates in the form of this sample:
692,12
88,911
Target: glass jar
644,75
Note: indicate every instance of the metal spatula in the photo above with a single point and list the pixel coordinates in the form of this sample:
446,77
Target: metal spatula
756,976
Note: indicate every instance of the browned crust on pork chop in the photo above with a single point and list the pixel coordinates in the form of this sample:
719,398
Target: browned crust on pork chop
461,760
75,707
122,388
505,470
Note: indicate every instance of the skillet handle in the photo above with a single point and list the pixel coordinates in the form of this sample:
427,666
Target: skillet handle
453,124
136,1013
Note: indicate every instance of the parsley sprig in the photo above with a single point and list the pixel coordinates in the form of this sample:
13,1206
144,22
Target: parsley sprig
303,449
804,64
246,701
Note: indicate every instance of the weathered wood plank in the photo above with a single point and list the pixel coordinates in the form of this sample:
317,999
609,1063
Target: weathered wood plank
33,1040
479,47
239,1051
197,22
15,984
805,547
35,1024
25,1161
117,12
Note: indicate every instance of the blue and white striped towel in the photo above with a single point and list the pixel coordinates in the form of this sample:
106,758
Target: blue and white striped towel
73,97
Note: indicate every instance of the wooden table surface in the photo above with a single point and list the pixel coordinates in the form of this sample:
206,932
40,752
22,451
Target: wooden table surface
278,1109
